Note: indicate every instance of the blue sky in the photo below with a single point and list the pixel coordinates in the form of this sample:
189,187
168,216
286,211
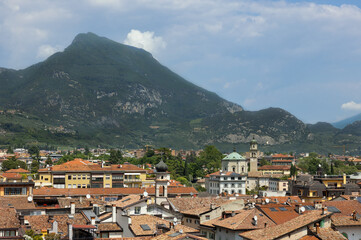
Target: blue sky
302,56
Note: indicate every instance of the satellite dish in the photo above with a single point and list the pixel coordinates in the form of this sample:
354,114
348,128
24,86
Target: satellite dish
30,178
319,165
191,194
302,209
88,196
255,218
145,194
256,196
267,200
30,199
175,220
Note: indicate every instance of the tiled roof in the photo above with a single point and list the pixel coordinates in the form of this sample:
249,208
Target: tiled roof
151,222
16,202
275,167
328,234
15,176
274,212
224,173
127,201
109,227
346,207
282,160
107,191
343,221
37,223
280,155
174,235
19,170
185,204
8,218
309,237
244,221
80,165
285,228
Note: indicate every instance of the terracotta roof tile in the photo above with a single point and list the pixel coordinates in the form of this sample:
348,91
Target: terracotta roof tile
107,191
287,227
343,221
185,204
8,218
174,235
127,201
274,212
19,170
244,221
275,167
16,202
328,234
109,227
151,222
10,175
309,237
346,207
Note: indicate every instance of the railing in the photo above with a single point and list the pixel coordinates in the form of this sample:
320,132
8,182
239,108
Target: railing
132,180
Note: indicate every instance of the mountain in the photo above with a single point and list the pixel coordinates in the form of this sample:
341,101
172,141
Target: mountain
343,123
100,92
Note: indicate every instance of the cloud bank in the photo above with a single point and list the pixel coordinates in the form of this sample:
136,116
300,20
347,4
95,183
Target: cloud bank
351,106
146,40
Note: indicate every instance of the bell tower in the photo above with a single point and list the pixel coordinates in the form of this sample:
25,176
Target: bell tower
253,158
161,182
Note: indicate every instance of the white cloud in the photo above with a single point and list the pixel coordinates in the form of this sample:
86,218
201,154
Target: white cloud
351,106
145,40
45,51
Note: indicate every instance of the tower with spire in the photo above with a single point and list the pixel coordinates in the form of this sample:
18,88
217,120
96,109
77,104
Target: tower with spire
253,158
161,182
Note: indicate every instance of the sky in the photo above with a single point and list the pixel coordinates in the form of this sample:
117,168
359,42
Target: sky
302,56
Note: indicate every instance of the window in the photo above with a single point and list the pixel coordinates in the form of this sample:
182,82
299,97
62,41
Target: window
137,210
74,177
41,177
46,179
208,217
15,191
83,177
104,235
107,177
79,177
107,185
74,185
83,186
69,177
69,185
10,233
79,185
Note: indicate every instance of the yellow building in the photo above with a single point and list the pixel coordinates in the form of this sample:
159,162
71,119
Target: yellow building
84,174
15,184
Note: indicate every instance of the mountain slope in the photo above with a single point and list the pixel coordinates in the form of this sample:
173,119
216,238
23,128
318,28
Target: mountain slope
98,91
343,123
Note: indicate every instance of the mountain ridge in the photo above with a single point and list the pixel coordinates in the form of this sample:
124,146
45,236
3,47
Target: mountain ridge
98,90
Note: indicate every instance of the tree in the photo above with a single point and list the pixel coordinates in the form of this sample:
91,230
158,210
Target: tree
49,161
13,163
211,157
264,162
34,150
87,152
34,166
115,156
10,150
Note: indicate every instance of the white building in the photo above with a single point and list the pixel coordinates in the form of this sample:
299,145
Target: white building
228,182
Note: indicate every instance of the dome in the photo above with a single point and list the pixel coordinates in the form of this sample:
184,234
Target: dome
253,141
234,156
161,166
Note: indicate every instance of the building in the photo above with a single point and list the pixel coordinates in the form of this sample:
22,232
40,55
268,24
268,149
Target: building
84,174
161,182
15,184
234,162
228,182
10,224
253,158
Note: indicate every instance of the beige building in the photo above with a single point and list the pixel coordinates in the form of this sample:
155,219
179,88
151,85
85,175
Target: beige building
84,174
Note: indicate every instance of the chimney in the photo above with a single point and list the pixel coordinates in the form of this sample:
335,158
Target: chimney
72,208
213,206
324,210
21,218
70,231
265,225
92,220
318,205
233,214
298,208
354,215
114,213
317,228
344,178
51,217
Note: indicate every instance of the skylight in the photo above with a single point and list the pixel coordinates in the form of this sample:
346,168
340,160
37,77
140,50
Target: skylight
145,227
333,209
282,208
273,209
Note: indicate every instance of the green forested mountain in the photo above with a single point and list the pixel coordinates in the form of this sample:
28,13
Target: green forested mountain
100,92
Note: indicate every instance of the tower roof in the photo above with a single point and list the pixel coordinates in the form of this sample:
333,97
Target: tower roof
234,156
161,166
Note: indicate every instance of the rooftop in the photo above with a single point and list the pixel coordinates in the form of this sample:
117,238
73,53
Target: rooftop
287,227
8,218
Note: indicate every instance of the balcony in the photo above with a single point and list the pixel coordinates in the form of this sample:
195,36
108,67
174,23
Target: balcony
128,180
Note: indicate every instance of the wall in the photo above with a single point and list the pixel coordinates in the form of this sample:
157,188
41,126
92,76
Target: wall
75,179
353,233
